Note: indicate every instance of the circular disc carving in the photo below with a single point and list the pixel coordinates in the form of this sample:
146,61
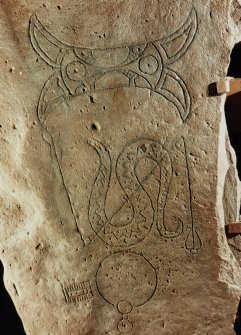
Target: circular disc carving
124,307
75,70
148,64
125,326
125,280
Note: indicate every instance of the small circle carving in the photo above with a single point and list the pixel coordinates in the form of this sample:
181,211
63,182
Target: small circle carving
125,326
75,70
148,64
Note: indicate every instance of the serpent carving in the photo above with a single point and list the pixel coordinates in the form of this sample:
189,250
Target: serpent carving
143,206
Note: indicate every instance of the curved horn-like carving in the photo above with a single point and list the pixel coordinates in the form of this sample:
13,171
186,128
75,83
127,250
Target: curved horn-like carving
181,98
51,95
177,43
46,45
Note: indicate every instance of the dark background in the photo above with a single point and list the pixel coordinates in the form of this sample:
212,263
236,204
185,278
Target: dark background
10,323
233,119
233,106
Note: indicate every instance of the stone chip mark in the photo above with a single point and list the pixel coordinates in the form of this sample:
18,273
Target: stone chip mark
236,11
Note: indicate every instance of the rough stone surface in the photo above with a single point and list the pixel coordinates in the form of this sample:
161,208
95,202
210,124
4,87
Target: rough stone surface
117,177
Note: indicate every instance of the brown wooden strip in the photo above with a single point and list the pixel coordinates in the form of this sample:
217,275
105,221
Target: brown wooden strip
235,86
234,228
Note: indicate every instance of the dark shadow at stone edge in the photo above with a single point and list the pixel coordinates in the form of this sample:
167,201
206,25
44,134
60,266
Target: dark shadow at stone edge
10,322
237,323
233,106
233,119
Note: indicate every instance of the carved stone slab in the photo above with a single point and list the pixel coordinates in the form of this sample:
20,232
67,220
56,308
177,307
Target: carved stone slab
117,177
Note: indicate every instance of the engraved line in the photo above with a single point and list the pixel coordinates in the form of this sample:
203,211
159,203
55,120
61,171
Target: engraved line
190,202
66,189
